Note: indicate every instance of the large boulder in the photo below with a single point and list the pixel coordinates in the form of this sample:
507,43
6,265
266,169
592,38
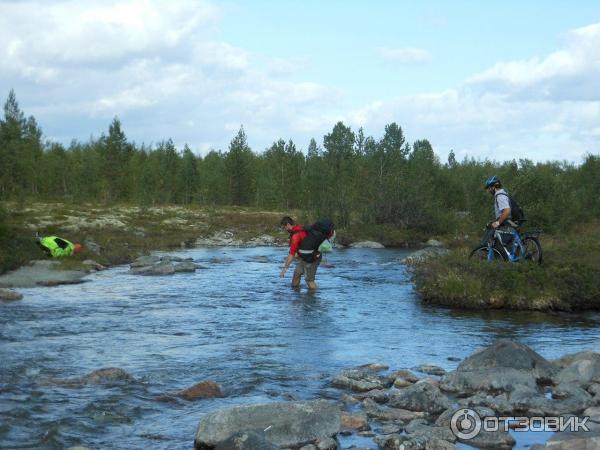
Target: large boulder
160,268
288,424
247,440
421,396
499,368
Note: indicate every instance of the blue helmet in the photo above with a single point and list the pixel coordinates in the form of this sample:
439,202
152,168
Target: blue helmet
491,181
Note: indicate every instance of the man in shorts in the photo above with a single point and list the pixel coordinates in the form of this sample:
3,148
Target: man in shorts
309,270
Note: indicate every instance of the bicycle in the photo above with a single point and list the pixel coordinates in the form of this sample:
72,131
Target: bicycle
525,246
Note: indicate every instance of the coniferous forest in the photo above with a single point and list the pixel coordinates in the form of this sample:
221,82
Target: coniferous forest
346,175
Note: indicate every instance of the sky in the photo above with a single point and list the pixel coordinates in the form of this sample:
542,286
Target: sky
499,80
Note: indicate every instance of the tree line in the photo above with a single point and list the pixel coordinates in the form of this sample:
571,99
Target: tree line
350,177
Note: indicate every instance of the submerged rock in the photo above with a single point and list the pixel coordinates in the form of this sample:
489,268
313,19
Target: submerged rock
290,424
108,374
204,389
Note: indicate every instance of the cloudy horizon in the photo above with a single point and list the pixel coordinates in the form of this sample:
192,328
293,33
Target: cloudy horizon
500,83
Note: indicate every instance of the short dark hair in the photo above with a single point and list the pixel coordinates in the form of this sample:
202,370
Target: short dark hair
286,220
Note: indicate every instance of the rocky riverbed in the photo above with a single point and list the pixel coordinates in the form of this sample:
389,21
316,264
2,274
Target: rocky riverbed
420,408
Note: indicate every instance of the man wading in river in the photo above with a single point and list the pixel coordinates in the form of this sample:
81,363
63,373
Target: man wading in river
304,247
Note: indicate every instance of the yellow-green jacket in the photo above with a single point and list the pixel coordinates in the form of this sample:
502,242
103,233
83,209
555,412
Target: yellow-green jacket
57,246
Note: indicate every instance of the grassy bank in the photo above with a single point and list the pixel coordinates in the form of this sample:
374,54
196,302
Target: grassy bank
566,281
124,232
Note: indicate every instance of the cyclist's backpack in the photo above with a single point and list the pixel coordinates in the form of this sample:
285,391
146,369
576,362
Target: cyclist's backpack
516,212
316,234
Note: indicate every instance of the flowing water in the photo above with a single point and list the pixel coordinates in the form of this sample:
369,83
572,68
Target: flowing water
237,323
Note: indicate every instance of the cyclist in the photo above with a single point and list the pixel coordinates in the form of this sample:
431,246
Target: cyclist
502,210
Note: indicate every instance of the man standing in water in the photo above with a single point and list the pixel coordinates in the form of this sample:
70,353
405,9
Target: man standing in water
309,270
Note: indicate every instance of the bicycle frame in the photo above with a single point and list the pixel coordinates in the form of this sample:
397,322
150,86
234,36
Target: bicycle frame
512,255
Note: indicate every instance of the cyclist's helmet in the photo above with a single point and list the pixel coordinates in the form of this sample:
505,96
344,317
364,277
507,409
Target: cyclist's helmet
491,181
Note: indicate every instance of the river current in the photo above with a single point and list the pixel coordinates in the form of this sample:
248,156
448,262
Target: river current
237,323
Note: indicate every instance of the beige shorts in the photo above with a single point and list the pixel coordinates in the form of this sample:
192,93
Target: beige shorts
309,270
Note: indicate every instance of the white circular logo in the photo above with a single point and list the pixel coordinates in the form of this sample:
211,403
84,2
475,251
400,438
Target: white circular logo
465,424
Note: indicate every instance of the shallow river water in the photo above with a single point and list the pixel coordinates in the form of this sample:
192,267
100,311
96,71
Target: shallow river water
235,322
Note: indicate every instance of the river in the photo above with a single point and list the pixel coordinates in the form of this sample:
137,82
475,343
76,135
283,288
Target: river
237,323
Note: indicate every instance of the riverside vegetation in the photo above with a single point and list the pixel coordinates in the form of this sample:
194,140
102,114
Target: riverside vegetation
384,189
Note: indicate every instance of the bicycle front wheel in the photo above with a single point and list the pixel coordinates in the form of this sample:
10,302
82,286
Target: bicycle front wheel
481,254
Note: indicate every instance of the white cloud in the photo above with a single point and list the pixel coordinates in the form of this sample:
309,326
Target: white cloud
405,55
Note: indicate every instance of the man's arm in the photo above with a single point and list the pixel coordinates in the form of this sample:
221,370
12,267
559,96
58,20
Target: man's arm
503,216
286,265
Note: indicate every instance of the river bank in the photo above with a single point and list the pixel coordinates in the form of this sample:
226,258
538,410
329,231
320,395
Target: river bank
567,280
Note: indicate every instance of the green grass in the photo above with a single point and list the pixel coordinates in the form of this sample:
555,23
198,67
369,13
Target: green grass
565,281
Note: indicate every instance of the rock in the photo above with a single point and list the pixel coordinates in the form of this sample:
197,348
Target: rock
584,369
247,440
40,273
219,239
204,389
289,424
375,367
390,428
379,395
567,360
349,399
366,244
581,440
355,421
491,439
186,266
444,419
360,380
499,368
107,375
430,369
91,246
438,444
419,428
434,243
389,414
158,269
9,295
453,358
400,383
262,241
423,254
405,374
144,261
90,264
421,397
327,444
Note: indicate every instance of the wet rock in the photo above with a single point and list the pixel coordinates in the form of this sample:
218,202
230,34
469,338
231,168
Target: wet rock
375,367
204,389
438,444
444,419
453,358
389,414
421,429
289,424
247,440
308,447
366,244
355,421
360,380
107,375
421,397
499,368
390,428
349,399
158,269
326,444
491,439
423,254
186,266
430,369
9,295
40,273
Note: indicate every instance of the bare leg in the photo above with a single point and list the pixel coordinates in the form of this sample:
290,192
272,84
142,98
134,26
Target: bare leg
311,285
296,280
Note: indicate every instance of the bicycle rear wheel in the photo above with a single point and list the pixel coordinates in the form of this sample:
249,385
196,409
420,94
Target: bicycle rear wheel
481,254
533,249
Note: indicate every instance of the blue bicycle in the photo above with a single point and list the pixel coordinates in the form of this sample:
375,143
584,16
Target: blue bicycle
513,246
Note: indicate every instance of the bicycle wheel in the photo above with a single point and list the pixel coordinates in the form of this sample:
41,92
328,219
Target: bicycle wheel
533,249
481,254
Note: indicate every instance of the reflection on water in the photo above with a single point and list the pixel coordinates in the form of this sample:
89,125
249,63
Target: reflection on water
235,322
